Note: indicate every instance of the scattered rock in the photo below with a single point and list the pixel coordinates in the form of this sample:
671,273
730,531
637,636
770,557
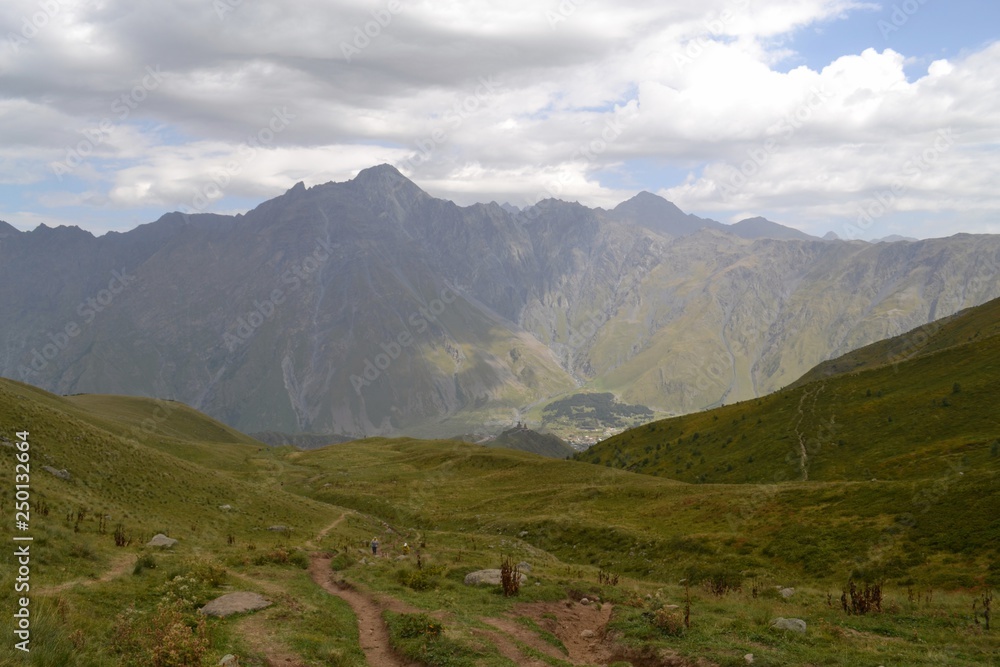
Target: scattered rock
161,540
793,624
225,508
671,607
490,577
749,658
229,660
523,533
584,601
524,566
278,529
587,634
61,474
234,603
787,592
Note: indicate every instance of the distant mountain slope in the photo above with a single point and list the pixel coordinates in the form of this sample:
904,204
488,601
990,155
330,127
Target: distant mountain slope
370,307
300,440
661,216
762,228
526,440
927,414
963,327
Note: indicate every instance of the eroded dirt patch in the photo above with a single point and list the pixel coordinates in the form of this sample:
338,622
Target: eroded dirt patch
580,628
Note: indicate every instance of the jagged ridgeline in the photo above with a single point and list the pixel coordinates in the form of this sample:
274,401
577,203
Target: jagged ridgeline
369,307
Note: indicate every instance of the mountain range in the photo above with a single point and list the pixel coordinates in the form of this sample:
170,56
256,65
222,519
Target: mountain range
370,307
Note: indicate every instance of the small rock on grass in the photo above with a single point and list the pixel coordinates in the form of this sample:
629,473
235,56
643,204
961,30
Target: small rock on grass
235,603
793,624
161,540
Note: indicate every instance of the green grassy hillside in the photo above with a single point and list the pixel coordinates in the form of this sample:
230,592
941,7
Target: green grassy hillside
919,418
156,466
526,440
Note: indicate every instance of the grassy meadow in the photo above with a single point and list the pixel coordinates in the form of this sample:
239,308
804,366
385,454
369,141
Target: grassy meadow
811,489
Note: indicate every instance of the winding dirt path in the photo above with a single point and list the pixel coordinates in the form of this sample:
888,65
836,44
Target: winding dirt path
311,544
372,633
119,565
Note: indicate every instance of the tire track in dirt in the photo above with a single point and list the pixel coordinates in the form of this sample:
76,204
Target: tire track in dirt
373,635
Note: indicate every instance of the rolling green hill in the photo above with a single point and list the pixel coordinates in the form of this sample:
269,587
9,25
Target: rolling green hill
526,440
158,466
920,406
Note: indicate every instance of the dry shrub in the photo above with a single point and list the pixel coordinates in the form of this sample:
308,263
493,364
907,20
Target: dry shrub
165,637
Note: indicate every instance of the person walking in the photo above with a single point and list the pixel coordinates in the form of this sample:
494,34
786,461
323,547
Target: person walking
374,546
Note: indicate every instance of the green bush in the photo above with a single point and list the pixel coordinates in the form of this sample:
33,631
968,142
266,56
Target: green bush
423,579
282,556
420,638
341,561
144,562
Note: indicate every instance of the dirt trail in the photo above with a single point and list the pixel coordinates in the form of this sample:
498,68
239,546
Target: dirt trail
258,631
799,418
580,628
120,565
311,544
373,635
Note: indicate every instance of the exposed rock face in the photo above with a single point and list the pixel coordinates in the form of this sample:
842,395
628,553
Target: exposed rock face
369,307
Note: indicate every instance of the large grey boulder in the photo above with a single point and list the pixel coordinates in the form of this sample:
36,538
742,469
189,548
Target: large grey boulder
235,603
792,624
161,540
488,577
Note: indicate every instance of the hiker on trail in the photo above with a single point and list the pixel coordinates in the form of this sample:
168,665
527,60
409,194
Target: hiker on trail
374,546
406,549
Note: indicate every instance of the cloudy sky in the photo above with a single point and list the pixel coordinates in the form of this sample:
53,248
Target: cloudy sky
867,118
